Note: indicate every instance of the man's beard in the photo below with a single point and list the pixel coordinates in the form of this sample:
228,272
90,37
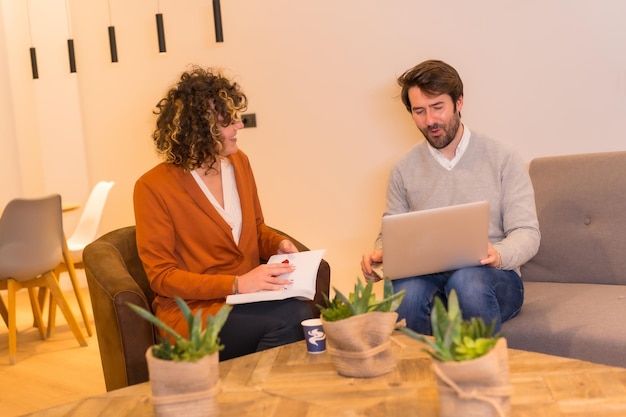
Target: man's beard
449,132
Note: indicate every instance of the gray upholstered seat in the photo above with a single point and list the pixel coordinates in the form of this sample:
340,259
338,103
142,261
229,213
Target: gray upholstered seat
575,287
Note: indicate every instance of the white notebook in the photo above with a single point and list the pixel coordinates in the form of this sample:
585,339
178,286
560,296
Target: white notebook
304,279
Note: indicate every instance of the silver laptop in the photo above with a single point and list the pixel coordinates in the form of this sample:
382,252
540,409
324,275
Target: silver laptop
435,240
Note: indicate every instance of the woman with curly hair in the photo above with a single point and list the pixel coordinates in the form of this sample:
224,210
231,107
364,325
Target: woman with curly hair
200,228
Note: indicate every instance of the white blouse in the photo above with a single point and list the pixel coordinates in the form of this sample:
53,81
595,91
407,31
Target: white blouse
231,212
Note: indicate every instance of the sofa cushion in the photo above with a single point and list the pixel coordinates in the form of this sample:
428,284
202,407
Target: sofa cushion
582,321
581,208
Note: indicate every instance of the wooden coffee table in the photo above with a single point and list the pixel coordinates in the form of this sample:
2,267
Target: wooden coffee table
287,381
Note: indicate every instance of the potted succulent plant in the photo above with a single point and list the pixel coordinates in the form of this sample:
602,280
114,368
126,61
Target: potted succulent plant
470,362
183,371
358,330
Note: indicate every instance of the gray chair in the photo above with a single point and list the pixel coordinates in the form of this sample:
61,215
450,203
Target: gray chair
31,247
115,276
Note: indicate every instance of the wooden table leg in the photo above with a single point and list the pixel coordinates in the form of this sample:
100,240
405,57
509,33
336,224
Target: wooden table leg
69,264
3,312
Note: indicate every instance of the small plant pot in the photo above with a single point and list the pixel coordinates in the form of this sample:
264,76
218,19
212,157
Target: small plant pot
475,388
184,388
360,345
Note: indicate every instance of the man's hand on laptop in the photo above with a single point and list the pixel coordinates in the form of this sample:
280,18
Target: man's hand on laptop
369,260
492,258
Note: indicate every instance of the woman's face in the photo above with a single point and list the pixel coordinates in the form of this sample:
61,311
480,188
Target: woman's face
229,137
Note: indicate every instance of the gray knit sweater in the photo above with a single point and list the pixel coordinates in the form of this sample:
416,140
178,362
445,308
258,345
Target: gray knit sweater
488,170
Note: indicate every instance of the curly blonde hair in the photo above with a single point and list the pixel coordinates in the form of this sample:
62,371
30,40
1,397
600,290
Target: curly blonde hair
187,133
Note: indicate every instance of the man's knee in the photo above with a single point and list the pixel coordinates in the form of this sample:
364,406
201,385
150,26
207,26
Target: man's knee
470,282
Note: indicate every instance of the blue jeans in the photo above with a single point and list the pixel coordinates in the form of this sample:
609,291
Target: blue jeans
483,291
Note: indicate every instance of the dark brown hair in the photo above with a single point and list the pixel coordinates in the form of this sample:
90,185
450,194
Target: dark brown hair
433,78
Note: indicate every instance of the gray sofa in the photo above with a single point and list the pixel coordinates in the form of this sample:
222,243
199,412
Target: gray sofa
575,287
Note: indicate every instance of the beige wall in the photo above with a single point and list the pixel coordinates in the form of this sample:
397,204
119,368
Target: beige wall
547,77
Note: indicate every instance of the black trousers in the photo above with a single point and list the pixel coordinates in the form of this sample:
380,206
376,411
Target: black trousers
258,326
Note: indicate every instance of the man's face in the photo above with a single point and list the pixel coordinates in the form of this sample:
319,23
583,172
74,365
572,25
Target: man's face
435,116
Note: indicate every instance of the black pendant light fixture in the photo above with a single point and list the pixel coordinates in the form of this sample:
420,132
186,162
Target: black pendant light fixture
32,51
70,50
112,44
217,19
33,63
112,41
70,40
160,29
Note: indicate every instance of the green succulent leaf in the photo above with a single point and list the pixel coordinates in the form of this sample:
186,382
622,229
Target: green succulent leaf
453,305
362,300
201,341
455,339
145,314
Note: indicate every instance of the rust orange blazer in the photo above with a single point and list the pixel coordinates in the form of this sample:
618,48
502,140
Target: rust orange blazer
187,248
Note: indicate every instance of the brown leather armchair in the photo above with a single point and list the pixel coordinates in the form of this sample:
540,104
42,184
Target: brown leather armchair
115,276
